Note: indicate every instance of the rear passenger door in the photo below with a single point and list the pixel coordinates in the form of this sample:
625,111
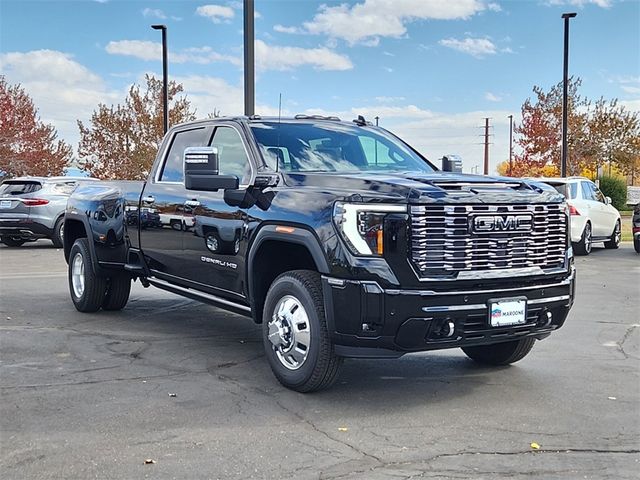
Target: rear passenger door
594,200
215,247
164,194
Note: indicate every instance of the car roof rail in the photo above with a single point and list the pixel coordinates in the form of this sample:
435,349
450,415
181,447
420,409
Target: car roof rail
303,116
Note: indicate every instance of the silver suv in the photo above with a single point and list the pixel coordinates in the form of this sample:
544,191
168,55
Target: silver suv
33,208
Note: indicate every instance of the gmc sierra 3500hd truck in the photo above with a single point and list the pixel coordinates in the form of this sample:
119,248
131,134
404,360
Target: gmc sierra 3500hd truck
338,237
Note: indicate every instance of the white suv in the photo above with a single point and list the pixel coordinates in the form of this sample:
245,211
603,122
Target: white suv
593,218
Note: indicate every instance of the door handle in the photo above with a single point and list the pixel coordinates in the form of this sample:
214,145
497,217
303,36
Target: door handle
192,203
148,199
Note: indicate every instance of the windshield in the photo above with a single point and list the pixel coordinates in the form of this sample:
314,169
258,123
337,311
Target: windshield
326,147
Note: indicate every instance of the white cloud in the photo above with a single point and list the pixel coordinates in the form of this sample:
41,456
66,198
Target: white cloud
492,97
271,57
154,13
476,47
68,92
366,22
630,89
152,51
283,29
216,13
580,3
384,99
494,7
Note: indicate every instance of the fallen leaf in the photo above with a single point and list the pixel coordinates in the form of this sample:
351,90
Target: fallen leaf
342,429
612,398
173,394
149,461
535,446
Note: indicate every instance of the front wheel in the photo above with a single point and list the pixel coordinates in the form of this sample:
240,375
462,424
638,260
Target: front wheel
614,240
500,353
295,335
86,288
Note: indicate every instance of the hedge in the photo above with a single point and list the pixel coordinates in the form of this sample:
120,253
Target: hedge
616,188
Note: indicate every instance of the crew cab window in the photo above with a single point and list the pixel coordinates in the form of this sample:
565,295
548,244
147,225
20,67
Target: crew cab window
232,156
172,170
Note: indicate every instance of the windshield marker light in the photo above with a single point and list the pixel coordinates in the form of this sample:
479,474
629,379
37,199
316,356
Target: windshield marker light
362,225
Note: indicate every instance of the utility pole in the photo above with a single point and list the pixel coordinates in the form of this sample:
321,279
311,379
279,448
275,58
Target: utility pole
249,59
510,145
486,146
165,80
565,95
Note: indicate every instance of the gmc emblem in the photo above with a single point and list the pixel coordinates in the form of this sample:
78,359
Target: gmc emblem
501,223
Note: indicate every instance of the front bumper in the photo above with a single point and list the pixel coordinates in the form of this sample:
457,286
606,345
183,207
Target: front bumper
368,321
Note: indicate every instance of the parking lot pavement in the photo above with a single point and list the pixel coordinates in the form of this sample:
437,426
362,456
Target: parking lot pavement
88,396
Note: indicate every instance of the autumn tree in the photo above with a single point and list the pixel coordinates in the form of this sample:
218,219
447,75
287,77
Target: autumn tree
121,141
28,146
598,133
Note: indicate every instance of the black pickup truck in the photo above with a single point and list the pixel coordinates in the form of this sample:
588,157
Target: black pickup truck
338,237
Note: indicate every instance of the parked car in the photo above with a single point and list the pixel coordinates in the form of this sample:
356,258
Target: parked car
33,207
636,228
593,218
338,237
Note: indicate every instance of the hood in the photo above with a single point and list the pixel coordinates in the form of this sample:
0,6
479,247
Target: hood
432,187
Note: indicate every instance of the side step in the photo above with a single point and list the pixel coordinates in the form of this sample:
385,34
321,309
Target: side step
201,296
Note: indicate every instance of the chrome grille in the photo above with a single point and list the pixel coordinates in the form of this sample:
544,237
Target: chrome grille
442,243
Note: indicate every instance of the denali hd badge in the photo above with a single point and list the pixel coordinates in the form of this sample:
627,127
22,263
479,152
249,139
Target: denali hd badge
501,223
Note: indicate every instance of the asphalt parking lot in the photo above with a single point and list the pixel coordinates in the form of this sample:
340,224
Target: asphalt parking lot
88,396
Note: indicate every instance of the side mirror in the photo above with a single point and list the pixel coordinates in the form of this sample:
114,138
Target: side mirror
201,171
607,200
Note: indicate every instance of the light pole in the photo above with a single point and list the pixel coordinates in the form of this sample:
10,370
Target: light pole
565,95
510,145
165,81
249,58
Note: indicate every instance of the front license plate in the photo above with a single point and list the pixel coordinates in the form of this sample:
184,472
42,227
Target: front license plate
5,203
505,312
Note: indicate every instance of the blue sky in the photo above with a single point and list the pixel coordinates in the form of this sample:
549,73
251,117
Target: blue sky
432,70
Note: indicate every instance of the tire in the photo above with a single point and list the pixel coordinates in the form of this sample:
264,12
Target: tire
614,240
117,294
86,288
584,246
12,242
298,295
58,233
636,244
500,353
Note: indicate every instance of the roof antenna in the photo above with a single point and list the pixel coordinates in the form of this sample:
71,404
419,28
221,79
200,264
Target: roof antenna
279,117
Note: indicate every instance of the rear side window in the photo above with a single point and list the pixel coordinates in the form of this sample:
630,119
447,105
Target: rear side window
65,188
19,188
172,169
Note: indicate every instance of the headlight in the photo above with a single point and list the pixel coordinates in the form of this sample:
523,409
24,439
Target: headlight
361,226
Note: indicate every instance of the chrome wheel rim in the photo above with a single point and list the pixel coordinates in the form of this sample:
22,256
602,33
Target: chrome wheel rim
77,275
290,332
587,238
617,234
62,232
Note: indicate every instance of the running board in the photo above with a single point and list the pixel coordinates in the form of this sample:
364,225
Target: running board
201,296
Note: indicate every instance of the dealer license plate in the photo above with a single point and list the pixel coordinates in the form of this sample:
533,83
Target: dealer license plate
505,312
5,203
